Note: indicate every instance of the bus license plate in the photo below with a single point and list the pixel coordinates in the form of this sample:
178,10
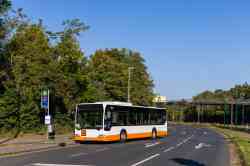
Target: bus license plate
83,132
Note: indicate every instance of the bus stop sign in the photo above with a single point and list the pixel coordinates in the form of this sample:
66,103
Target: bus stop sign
44,99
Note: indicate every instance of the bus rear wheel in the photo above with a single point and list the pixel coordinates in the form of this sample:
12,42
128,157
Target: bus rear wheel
154,134
123,136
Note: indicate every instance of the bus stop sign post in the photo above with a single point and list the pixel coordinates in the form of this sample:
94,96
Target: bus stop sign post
45,105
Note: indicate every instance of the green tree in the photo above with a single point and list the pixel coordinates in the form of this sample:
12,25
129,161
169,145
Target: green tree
9,110
141,82
71,64
4,7
32,68
108,72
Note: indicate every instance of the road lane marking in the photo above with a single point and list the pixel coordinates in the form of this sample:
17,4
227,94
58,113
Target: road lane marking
148,145
78,154
145,160
201,145
169,149
101,150
184,141
41,164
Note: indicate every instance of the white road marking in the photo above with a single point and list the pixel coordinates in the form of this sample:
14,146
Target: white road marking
148,145
201,145
41,164
78,154
184,141
169,149
145,160
101,150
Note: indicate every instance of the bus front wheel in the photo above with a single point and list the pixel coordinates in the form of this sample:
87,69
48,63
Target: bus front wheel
123,136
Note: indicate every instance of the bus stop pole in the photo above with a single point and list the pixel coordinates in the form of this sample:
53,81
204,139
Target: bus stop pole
48,115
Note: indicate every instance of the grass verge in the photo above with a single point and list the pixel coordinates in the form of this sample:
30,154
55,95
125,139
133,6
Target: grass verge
241,140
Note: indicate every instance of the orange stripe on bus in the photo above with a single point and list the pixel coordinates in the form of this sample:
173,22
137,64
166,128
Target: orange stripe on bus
100,138
117,137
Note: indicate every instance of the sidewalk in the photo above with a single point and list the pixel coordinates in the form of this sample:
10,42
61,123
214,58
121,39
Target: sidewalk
31,142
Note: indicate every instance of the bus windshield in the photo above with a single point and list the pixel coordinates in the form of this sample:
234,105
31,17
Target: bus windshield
90,116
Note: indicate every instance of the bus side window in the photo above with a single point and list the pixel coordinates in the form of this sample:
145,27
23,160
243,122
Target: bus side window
159,117
132,117
139,116
152,117
145,117
122,118
119,116
164,116
114,118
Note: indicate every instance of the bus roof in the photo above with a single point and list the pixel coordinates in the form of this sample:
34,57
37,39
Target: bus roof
110,103
117,103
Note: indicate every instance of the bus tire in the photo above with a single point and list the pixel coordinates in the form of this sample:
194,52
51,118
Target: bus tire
154,134
123,136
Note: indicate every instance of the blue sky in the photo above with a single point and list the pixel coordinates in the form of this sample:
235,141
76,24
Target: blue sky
189,45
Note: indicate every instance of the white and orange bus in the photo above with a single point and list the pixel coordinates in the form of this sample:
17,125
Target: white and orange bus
118,121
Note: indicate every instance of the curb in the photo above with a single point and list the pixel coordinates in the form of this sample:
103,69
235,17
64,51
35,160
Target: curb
23,152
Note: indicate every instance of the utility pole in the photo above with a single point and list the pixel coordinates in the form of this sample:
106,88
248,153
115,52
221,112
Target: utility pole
129,78
232,114
199,108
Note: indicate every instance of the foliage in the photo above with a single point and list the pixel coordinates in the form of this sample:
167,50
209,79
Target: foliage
237,92
4,6
70,64
30,70
108,73
33,58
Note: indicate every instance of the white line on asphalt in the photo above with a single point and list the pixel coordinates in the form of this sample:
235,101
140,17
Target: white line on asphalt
101,150
151,144
145,160
184,141
78,154
41,164
201,145
169,149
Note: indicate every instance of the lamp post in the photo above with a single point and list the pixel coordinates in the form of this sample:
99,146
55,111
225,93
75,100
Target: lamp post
129,78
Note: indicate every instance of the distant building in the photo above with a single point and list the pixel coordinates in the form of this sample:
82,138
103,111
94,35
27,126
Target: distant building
160,99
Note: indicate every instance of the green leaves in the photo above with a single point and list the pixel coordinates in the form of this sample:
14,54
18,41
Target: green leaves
237,92
108,73
31,60
4,6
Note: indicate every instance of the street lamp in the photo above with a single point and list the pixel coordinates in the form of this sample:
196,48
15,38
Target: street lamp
129,78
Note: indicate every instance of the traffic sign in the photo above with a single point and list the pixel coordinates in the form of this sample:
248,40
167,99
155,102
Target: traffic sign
45,99
44,104
47,120
45,93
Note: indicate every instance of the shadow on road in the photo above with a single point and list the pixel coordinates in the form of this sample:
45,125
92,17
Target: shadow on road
187,162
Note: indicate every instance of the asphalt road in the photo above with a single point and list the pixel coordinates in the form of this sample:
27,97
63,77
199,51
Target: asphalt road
185,146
